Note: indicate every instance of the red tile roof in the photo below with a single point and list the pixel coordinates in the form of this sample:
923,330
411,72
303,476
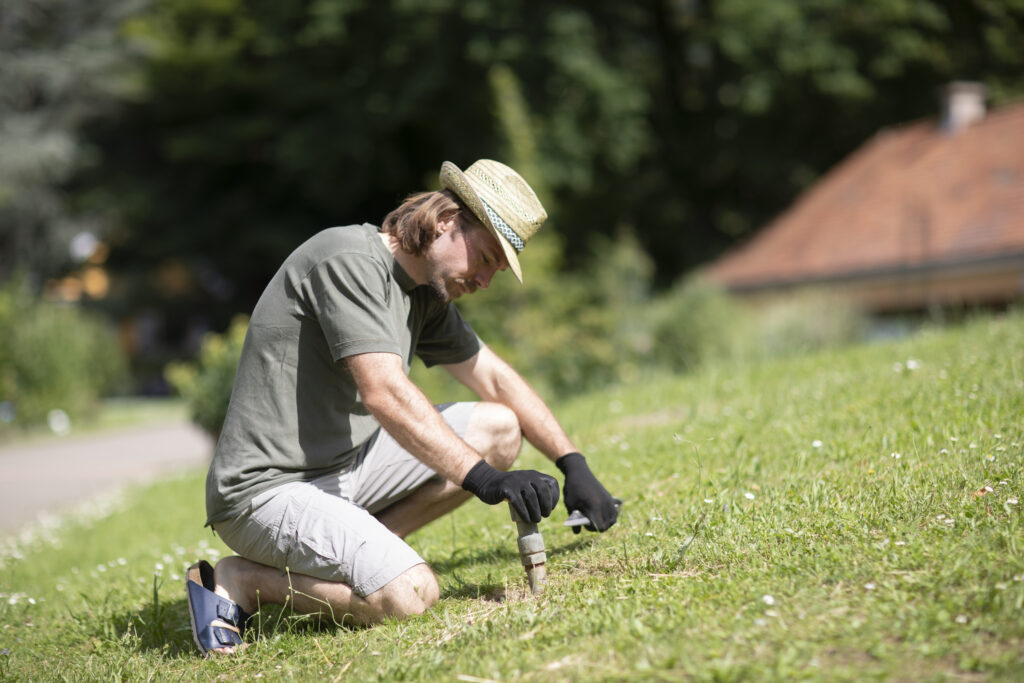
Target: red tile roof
912,197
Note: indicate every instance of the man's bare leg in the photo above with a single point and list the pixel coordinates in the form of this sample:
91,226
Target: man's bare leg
250,585
494,432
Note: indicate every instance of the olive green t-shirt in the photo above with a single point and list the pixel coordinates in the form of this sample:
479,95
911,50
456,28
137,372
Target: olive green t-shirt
295,413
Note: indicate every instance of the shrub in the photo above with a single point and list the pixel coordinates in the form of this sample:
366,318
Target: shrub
53,357
206,384
568,332
693,324
573,332
806,322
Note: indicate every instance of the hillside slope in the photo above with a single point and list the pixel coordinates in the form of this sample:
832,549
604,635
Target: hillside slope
845,515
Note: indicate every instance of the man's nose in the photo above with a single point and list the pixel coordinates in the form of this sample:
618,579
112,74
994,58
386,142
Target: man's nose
483,278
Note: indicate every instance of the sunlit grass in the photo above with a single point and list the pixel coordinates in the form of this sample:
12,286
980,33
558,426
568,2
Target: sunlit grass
850,515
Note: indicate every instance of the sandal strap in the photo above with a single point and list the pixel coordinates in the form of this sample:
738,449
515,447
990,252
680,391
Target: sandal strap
226,636
228,611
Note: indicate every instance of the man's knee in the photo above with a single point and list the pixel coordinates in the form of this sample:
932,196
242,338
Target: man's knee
495,432
411,593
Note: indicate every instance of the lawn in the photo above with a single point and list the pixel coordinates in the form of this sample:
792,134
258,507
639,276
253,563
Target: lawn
849,515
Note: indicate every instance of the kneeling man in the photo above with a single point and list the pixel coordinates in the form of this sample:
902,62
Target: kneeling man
329,455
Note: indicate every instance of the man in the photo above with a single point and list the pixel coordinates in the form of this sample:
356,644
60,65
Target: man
329,455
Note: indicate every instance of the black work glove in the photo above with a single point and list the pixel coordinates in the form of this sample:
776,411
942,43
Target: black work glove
530,493
585,493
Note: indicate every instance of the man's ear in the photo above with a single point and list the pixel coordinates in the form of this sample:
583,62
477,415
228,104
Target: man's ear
449,220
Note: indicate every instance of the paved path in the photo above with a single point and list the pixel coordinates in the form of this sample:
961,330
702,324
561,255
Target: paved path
51,475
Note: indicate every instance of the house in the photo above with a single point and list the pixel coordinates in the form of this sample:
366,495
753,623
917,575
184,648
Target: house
925,214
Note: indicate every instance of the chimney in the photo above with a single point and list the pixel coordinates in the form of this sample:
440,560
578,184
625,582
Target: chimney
963,103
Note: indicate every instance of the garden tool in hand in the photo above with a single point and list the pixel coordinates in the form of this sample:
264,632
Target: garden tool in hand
577,518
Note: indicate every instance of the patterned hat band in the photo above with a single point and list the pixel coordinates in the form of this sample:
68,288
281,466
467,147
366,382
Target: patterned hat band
515,240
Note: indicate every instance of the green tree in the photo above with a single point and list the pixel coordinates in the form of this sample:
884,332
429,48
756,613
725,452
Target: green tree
687,123
60,64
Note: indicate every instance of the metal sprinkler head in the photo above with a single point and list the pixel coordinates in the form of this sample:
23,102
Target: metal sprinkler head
531,552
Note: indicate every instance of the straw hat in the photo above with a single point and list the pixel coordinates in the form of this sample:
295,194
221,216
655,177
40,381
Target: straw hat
502,200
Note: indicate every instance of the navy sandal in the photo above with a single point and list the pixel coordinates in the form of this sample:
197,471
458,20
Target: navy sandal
206,607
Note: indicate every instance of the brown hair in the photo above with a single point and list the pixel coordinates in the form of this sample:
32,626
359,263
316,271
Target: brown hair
413,222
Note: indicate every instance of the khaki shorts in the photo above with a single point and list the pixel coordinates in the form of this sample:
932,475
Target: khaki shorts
325,528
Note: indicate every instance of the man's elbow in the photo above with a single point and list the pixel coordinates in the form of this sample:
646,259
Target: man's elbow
378,398
378,378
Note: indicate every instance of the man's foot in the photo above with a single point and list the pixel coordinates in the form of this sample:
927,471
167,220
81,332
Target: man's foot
228,582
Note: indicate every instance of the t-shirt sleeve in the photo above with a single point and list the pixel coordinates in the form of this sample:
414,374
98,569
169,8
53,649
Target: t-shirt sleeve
447,338
348,295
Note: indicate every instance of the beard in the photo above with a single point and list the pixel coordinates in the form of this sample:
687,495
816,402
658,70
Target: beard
441,289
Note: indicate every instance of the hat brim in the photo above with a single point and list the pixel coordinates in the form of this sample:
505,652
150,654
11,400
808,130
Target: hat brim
455,180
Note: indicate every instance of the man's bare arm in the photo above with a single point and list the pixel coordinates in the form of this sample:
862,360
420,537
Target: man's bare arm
407,415
492,379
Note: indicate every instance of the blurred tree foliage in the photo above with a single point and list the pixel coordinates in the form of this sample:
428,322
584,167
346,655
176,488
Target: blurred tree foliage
61,63
688,123
255,123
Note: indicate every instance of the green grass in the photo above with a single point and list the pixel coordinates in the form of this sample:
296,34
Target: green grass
769,532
